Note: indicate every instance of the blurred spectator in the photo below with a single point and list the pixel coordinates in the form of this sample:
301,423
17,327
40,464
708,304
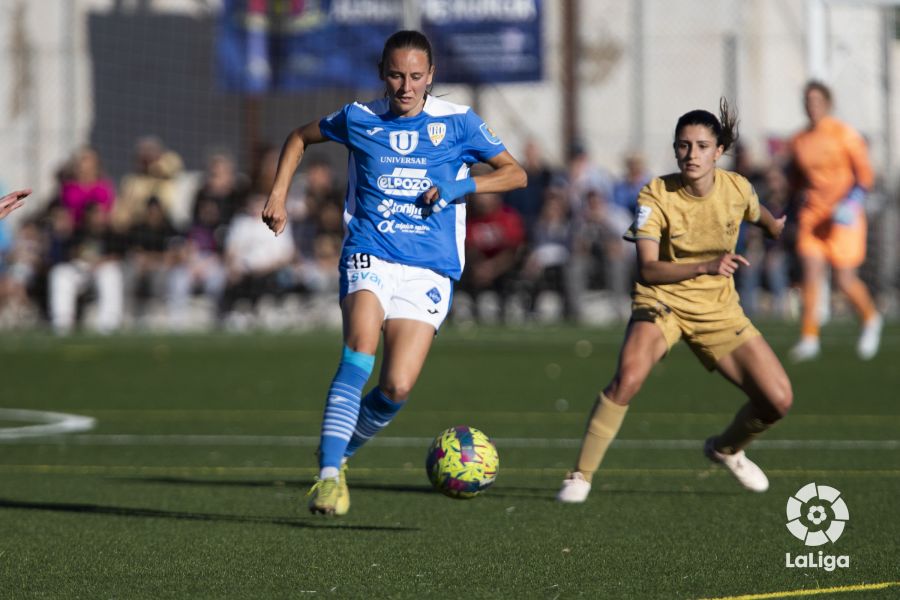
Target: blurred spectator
90,259
546,265
626,189
21,264
585,176
602,258
150,254
318,209
154,175
255,260
527,201
83,182
769,259
197,262
223,185
746,166
319,274
495,238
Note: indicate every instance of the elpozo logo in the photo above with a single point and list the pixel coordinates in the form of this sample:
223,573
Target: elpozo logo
817,515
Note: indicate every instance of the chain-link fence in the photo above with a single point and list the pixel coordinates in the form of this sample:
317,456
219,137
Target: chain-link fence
108,73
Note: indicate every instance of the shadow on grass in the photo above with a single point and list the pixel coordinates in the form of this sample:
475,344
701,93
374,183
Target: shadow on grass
497,491
278,483
121,511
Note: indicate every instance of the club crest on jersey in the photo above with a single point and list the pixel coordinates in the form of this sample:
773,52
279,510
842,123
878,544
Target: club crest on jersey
436,132
404,142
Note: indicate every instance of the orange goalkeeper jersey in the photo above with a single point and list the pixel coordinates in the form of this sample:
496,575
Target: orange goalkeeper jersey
832,158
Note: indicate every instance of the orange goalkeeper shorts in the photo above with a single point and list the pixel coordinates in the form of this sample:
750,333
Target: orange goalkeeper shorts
841,244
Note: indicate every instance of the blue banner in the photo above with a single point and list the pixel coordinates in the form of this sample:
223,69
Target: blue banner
297,45
485,41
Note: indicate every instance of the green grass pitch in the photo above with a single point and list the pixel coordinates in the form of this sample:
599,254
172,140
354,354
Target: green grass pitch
192,482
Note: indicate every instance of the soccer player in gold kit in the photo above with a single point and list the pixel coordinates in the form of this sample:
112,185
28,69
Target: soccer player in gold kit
685,230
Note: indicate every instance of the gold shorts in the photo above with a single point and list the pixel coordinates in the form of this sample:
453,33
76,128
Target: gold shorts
714,337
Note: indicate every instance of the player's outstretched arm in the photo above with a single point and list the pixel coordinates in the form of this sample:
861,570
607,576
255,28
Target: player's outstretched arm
275,214
12,201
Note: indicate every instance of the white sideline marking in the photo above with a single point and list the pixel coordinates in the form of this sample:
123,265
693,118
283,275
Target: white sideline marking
52,423
128,439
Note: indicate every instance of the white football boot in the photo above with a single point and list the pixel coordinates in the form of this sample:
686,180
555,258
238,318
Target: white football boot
575,489
745,470
870,338
808,348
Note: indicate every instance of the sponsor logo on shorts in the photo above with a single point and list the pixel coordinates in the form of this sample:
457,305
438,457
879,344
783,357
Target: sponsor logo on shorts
362,276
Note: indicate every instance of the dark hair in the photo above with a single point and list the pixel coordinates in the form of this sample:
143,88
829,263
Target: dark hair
817,86
406,39
725,128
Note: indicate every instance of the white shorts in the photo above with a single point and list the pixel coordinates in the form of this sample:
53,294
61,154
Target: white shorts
404,292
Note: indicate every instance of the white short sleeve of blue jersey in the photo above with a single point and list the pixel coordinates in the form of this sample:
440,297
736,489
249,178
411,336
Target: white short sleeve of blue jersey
393,160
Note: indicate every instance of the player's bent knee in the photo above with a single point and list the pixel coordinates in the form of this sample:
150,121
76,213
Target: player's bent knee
625,386
397,391
781,399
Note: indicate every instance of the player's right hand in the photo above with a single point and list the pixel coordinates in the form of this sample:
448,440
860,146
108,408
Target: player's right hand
727,264
275,215
12,201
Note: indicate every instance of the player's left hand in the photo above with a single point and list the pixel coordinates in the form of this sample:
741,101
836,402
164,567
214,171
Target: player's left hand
12,201
775,230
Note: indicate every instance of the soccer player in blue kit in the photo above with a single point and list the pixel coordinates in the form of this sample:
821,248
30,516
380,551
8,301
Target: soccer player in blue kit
405,223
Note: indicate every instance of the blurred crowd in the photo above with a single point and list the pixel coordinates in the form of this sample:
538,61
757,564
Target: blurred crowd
166,249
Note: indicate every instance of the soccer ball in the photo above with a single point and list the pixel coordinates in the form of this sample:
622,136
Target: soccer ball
462,462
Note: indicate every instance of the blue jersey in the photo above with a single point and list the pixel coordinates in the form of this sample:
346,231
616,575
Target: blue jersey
393,160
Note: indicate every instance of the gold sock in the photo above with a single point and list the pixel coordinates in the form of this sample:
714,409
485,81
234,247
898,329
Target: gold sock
603,425
747,424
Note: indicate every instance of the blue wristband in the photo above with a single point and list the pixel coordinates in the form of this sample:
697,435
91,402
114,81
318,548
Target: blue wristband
450,191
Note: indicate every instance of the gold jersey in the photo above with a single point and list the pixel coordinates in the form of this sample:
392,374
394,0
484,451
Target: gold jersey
691,229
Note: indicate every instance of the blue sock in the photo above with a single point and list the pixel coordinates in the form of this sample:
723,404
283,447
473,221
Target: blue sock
342,406
376,412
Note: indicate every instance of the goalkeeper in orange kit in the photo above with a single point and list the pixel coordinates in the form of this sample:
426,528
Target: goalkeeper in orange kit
831,166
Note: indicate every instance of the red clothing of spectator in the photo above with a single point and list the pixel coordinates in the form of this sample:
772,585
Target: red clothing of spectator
492,233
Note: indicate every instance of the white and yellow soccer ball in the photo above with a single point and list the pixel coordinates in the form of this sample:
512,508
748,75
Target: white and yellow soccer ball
462,462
